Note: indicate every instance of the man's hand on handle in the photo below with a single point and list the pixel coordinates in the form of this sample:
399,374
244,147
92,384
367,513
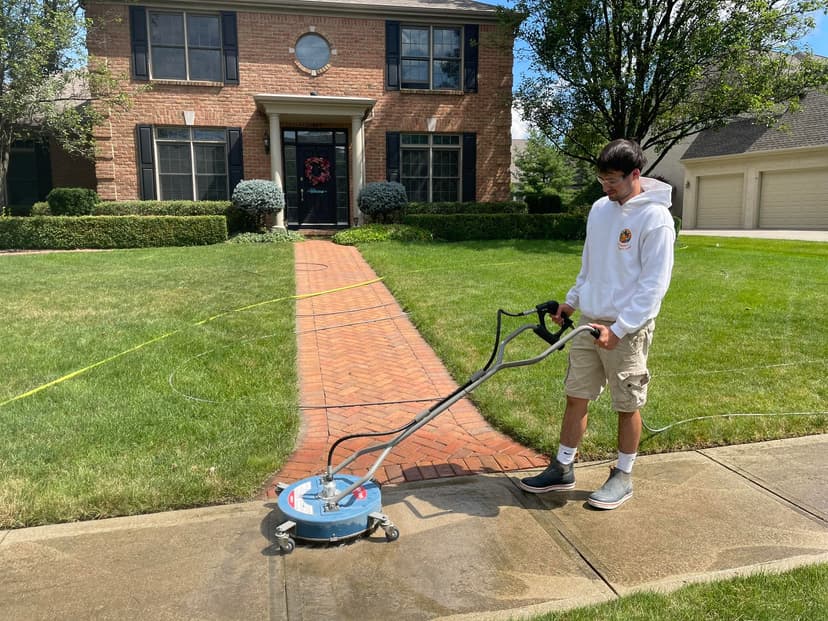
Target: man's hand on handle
562,309
607,340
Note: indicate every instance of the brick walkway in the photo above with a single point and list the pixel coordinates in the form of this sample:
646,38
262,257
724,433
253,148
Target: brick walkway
364,367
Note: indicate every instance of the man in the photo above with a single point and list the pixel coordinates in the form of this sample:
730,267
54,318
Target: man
625,271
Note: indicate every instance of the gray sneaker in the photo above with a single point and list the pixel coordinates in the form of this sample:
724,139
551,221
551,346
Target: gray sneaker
556,477
617,490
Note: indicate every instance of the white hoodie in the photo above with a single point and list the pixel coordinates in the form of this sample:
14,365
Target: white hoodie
627,259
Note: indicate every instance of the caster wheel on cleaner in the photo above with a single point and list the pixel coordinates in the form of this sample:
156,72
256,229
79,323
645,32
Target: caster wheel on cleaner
287,546
392,533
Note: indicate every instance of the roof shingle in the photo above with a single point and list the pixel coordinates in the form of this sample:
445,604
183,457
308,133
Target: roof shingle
806,128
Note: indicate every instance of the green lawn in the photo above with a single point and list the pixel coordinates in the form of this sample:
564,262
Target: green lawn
740,332
797,595
172,411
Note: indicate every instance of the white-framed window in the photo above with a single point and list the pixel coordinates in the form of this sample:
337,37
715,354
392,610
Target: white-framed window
185,46
192,163
431,166
431,57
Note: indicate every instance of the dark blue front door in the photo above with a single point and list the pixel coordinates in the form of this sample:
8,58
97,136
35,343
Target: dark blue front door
316,168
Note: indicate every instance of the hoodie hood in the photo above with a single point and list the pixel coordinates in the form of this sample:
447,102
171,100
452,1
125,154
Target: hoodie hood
653,191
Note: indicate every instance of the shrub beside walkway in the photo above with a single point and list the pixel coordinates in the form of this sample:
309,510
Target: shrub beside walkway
364,367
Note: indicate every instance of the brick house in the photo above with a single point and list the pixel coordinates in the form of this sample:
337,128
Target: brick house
320,96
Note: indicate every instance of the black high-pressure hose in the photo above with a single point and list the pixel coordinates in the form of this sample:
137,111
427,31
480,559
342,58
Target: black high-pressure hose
541,330
368,434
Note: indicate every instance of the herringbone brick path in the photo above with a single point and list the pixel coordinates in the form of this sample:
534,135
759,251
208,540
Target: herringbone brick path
364,367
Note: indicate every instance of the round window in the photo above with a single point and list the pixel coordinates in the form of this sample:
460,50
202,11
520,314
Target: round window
312,51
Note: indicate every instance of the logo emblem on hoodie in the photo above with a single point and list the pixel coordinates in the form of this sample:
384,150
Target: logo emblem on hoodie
624,239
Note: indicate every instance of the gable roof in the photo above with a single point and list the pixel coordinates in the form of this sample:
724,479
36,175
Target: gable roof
806,128
410,9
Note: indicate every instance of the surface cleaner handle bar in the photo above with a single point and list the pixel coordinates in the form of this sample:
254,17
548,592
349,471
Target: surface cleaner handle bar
555,343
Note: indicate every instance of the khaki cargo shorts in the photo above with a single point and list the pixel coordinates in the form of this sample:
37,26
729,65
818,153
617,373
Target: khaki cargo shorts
624,368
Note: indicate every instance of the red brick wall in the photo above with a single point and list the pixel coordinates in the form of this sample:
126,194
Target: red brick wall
70,171
267,66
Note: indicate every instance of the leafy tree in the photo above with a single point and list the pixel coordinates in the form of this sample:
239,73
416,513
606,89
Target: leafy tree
542,169
43,90
657,71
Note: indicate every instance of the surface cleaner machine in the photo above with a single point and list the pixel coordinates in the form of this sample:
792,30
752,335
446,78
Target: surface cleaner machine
334,507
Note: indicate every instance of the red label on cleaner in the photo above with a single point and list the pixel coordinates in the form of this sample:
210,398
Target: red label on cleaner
360,493
296,501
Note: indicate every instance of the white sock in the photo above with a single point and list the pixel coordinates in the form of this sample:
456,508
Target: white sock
566,454
626,461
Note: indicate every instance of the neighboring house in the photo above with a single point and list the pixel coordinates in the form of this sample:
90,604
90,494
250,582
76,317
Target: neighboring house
40,164
518,147
321,97
35,167
29,177
749,176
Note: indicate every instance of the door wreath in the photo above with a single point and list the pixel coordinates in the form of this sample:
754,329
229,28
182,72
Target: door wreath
317,170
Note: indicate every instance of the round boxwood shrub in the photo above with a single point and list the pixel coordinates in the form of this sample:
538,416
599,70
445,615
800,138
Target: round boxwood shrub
260,198
379,199
72,201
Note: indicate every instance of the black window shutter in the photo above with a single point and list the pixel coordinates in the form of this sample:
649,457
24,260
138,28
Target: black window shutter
140,42
392,55
235,158
469,167
392,156
471,34
230,44
146,162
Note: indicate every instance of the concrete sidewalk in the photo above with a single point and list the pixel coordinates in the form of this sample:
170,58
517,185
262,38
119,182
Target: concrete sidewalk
815,236
471,547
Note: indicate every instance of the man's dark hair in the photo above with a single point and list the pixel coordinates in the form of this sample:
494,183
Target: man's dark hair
623,155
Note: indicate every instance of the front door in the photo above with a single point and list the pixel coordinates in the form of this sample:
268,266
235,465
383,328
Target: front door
316,168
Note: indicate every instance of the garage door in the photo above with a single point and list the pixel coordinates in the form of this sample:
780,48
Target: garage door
720,202
794,199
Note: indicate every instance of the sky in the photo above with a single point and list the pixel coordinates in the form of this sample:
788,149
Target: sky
817,40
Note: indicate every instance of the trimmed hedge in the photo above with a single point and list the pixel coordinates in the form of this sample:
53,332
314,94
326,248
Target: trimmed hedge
72,232
465,227
238,221
161,208
468,208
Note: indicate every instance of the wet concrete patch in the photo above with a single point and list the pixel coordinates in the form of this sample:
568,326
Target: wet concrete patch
468,547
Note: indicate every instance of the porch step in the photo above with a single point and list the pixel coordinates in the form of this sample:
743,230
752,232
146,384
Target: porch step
318,233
